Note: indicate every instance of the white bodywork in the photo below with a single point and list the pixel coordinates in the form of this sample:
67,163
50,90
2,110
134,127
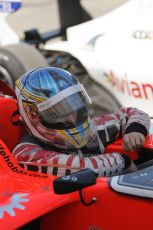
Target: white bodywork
7,35
117,51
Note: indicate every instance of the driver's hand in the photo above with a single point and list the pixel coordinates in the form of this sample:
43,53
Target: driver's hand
133,141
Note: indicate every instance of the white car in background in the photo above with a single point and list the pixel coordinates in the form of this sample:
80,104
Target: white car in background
111,55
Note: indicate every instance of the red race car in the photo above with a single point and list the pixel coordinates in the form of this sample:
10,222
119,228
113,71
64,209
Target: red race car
79,201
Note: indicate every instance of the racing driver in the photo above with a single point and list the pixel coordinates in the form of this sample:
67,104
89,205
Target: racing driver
63,135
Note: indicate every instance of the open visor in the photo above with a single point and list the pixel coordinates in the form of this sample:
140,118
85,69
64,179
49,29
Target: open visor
74,101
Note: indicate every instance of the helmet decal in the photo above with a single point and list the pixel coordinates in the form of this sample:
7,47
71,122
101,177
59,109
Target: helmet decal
78,136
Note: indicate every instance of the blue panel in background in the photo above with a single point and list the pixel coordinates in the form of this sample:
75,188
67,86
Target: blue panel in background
10,7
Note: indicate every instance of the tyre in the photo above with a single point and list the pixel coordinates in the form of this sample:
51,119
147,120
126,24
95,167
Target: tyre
17,59
103,100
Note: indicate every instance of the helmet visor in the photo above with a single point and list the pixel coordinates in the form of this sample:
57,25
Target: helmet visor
69,112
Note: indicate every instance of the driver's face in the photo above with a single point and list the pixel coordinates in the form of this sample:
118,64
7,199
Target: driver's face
69,119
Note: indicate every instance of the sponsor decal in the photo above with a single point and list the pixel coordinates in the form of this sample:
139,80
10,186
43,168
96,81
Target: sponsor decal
16,169
130,88
9,6
142,34
94,228
14,203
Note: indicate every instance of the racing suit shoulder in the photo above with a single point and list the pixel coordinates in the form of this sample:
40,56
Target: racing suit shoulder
125,120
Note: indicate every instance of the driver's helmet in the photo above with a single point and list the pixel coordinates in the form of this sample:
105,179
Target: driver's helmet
55,107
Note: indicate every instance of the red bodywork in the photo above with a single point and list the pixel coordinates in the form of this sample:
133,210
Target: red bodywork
27,195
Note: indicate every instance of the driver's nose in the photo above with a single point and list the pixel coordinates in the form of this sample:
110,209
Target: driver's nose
71,119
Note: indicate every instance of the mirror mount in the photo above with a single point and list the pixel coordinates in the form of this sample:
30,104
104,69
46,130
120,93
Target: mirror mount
92,201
